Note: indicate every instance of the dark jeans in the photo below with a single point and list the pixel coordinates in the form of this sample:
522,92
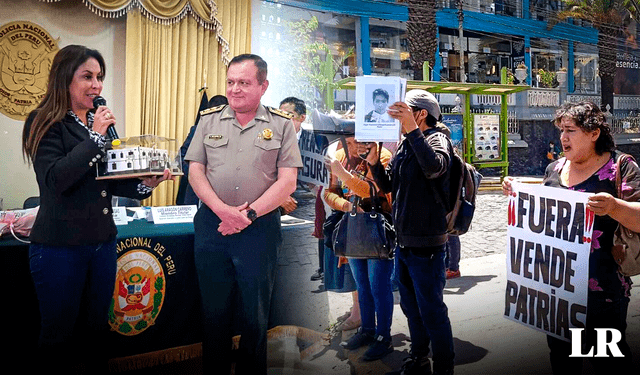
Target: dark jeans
421,280
375,295
452,261
600,314
236,275
321,254
74,285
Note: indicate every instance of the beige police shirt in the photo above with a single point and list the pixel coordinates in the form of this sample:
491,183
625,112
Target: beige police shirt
242,162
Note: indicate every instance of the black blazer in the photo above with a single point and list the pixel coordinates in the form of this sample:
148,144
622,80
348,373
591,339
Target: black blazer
75,208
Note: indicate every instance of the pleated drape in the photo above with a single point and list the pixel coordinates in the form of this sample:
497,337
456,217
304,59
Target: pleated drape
167,65
170,58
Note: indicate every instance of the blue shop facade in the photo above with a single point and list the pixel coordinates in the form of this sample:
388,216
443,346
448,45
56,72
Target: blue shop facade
561,62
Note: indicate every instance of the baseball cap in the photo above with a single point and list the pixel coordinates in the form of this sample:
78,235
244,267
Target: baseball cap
423,100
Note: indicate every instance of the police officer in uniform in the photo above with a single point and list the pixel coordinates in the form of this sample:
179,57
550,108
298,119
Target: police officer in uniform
243,165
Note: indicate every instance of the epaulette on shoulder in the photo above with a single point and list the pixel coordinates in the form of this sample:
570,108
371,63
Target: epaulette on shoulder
279,112
212,110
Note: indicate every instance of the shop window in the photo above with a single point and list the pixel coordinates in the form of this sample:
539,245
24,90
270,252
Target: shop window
275,39
585,73
484,68
485,55
389,48
548,56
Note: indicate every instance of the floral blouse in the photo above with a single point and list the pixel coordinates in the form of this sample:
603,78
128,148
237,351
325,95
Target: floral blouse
604,279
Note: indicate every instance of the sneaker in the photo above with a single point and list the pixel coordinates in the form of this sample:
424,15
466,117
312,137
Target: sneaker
378,349
358,340
414,366
319,275
453,274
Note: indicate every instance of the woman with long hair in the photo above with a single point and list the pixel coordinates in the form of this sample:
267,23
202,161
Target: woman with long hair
73,240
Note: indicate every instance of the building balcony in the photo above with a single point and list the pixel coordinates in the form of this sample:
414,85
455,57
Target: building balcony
510,8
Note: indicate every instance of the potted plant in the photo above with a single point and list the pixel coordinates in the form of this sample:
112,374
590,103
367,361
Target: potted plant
510,78
561,75
521,72
546,79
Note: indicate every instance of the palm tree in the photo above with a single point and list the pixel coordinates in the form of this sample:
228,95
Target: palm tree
633,6
421,32
606,16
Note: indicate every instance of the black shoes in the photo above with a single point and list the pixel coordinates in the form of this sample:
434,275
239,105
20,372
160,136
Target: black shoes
414,366
378,349
358,340
379,345
319,275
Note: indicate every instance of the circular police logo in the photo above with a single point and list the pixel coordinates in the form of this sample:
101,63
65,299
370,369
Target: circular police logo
26,53
267,134
139,293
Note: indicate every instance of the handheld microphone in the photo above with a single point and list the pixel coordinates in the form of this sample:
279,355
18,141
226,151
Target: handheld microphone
111,130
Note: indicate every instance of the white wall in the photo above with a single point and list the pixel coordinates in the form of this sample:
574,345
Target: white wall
73,23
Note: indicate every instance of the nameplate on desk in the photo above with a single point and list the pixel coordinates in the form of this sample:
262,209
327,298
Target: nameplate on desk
120,215
173,214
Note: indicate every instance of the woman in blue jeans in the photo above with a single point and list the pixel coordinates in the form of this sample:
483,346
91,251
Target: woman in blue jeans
351,177
73,240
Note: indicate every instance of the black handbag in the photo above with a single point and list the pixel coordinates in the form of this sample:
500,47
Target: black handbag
365,235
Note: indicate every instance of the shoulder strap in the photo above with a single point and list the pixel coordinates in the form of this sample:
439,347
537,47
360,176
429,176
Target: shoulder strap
436,192
621,159
212,110
376,204
279,112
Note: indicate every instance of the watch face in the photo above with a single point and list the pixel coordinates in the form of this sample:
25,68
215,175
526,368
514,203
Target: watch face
252,215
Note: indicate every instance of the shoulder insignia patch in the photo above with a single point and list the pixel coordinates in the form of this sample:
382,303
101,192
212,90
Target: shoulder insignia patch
279,112
212,110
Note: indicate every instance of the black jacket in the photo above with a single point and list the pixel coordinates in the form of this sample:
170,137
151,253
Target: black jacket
420,168
75,208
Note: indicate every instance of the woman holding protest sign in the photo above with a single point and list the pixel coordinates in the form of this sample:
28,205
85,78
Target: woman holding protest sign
589,165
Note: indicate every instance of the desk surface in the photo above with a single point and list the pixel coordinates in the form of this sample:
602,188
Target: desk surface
134,228
145,228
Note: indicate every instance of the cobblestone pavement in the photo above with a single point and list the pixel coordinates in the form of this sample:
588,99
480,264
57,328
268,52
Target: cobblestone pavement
488,231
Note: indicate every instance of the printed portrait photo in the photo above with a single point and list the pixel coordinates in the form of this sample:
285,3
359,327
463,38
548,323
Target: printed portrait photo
377,100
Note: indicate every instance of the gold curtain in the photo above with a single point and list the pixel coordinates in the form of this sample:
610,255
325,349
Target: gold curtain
166,66
170,57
